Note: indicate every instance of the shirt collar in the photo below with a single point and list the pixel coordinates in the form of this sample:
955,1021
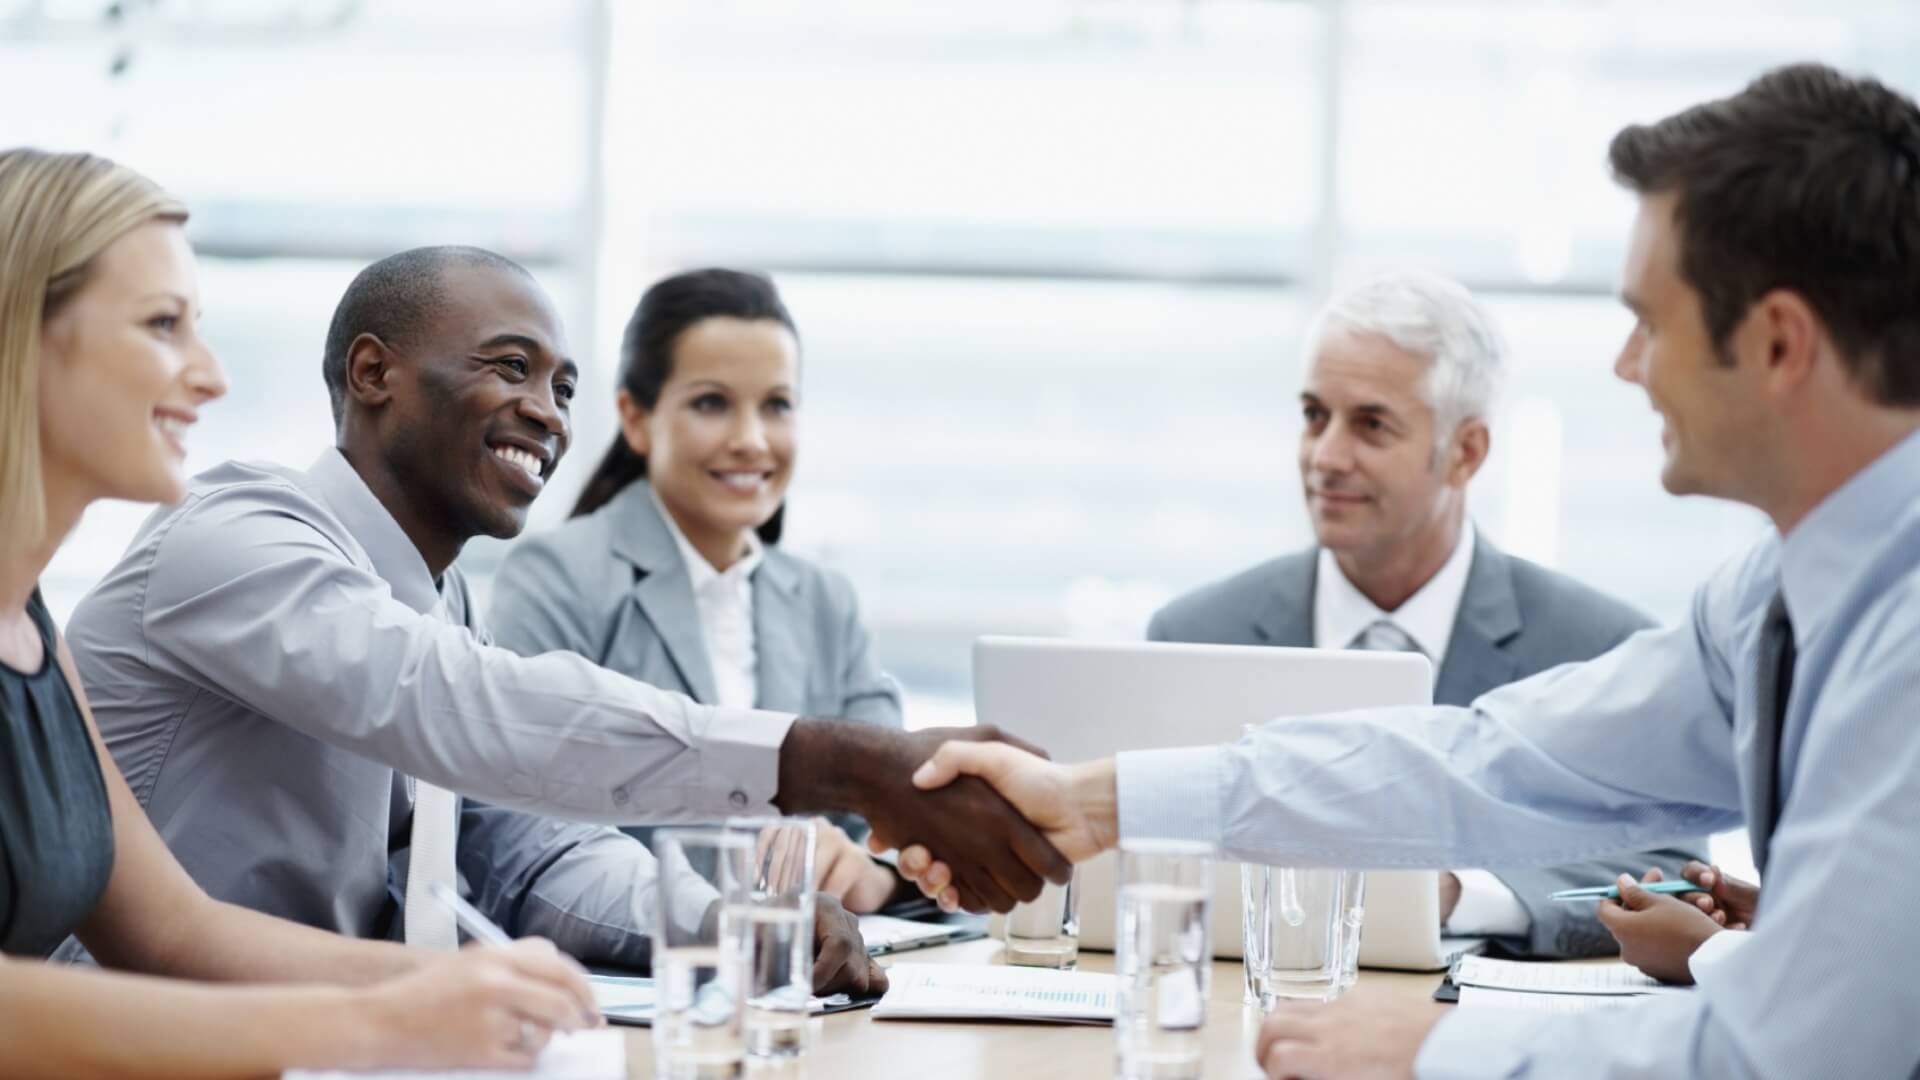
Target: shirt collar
699,571
1823,553
394,556
1342,611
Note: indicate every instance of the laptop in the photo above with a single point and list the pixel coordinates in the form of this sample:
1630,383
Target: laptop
1083,700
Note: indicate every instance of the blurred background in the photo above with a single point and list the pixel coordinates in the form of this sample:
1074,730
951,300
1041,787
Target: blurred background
1051,259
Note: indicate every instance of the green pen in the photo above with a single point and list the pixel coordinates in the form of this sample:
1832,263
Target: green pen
1612,892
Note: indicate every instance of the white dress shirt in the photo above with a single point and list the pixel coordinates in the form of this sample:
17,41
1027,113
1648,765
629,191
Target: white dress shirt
1341,613
724,599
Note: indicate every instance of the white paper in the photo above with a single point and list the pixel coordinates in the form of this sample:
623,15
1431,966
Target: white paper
996,992
600,1054
887,931
633,999
1558,978
1479,997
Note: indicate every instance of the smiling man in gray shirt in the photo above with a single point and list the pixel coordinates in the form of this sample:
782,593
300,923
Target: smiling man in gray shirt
292,674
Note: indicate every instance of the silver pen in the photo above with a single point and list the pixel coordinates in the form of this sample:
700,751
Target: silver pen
478,926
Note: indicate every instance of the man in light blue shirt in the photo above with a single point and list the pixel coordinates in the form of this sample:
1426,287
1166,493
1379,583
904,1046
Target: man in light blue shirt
1773,274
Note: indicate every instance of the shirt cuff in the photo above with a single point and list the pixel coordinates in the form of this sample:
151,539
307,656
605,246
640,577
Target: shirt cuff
1487,908
740,757
1713,952
1170,794
1477,1041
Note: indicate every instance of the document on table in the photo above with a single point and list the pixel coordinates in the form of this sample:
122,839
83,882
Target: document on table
1540,978
1479,997
996,992
600,1054
628,1000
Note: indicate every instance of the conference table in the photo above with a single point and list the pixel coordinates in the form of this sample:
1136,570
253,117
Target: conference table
854,1044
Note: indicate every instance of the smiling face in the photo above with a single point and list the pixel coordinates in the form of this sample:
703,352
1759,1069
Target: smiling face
1715,419
1372,478
123,373
478,410
720,441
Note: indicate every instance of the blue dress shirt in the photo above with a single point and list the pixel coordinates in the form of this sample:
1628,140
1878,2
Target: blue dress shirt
1653,741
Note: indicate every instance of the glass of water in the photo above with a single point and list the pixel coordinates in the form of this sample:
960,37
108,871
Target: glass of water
1046,932
777,922
698,960
1163,958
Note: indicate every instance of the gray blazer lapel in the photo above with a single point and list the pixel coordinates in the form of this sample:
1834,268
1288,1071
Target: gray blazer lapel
1286,618
664,592
780,655
1489,618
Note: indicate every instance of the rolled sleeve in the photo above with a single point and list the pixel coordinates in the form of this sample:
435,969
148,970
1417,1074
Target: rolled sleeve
1487,908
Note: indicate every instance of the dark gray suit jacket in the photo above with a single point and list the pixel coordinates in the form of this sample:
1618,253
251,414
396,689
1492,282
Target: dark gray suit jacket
1516,619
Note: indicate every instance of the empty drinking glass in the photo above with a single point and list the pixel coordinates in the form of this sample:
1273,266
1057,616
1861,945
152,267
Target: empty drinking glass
1292,922
698,955
777,922
1162,958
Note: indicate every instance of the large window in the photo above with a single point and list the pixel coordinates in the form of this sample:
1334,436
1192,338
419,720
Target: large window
1051,258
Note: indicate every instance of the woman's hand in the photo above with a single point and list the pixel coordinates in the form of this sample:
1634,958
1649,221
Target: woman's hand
1657,934
489,1007
842,867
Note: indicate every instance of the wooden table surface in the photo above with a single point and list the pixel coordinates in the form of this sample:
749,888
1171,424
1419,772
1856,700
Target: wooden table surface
854,1044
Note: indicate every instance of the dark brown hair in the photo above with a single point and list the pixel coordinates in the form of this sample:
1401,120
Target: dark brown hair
665,312
1807,180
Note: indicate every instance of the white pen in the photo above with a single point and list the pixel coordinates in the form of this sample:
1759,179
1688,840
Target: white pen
477,926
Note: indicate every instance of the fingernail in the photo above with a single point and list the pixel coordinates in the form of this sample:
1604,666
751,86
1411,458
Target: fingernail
924,773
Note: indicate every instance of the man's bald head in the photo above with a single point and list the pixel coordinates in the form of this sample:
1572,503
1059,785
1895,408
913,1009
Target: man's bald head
396,300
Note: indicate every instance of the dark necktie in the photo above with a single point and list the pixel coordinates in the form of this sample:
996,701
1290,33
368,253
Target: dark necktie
1773,685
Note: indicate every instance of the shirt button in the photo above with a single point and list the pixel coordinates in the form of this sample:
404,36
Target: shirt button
620,795
738,799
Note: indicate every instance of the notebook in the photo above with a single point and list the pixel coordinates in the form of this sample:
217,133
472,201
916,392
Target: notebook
996,992
1549,978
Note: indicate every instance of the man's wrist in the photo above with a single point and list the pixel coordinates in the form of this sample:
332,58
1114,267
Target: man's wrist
819,758
1095,792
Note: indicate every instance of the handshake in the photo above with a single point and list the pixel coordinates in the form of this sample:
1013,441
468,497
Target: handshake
981,819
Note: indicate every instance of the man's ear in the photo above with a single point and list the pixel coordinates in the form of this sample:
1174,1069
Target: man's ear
1788,332
1472,441
370,367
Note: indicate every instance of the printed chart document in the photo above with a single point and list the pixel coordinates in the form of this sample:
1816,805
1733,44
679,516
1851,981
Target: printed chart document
1539,978
600,1054
996,992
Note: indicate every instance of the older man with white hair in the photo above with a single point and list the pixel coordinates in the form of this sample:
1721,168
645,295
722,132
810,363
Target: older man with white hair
1401,376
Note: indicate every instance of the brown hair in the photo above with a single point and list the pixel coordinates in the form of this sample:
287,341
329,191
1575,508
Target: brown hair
1807,180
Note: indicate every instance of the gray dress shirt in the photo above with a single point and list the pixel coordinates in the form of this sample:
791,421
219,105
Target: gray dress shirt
270,659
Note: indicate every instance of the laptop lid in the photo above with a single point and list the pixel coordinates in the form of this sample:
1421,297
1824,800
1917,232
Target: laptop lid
1084,699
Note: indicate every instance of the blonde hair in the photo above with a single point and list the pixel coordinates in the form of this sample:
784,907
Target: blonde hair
58,212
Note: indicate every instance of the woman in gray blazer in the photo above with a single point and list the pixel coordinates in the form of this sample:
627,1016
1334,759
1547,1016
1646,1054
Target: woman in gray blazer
670,569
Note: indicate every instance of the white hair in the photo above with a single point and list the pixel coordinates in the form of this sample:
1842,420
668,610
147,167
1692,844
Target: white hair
1437,319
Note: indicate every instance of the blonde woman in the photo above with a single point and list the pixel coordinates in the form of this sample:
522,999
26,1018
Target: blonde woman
102,373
